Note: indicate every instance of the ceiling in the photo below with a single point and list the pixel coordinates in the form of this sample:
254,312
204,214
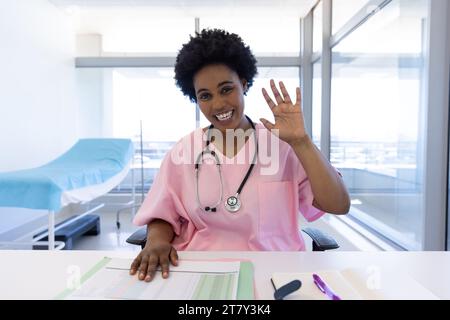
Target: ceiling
298,8
127,21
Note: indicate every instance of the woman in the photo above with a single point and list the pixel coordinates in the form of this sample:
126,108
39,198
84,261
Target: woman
227,197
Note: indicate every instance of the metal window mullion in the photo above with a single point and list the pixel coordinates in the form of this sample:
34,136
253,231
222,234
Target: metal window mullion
124,62
197,109
371,8
447,233
307,71
436,138
169,62
291,61
326,80
315,57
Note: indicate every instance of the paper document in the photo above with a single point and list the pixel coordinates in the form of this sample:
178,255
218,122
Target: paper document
190,280
356,284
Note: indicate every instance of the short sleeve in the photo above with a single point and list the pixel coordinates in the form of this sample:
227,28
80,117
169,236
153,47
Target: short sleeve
161,201
306,198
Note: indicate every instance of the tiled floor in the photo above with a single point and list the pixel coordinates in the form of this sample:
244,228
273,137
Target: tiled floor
110,237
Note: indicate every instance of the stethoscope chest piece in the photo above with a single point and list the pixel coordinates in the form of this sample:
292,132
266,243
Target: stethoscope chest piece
233,204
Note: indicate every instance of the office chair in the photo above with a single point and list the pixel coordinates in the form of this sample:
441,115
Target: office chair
320,240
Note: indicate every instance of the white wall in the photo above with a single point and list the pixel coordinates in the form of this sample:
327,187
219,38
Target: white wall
95,100
38,108
37,79
90,101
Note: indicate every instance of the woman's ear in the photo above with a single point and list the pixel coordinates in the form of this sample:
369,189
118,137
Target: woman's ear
244,85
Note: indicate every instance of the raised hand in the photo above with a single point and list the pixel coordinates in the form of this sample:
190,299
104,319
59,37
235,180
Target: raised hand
288,116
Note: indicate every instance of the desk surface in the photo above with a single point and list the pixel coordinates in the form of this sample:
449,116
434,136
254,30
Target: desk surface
43,274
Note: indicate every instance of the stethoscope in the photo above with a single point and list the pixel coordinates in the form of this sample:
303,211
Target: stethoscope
233,203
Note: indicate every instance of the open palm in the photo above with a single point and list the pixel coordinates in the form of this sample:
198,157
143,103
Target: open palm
289,124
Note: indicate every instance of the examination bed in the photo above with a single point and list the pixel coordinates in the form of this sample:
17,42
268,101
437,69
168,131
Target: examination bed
91,168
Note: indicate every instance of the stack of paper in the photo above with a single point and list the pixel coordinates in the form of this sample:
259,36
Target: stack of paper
356,284
190,280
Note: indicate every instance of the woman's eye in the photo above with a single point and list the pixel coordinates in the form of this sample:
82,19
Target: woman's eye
226,89
203,96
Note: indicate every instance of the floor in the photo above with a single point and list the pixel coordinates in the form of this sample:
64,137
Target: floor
110,237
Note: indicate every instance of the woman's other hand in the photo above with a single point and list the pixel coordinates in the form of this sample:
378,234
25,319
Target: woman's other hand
154,254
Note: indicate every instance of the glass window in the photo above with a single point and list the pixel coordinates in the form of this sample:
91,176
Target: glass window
150,95
317,28
255,104
317,102
344,10
122,98
266,35
376,128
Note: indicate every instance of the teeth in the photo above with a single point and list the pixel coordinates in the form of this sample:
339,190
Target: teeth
224,116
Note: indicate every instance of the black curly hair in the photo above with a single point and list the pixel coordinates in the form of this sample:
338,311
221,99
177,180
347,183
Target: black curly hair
212,46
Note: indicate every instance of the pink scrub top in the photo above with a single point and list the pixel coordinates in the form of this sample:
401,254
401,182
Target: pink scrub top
275,192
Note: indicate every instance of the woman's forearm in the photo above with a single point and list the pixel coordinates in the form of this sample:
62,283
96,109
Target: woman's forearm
330,193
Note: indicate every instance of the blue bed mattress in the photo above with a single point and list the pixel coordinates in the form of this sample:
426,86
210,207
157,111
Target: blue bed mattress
88,163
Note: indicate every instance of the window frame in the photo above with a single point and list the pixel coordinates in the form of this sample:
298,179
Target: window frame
436,224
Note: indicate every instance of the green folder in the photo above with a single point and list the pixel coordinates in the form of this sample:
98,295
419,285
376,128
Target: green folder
245,282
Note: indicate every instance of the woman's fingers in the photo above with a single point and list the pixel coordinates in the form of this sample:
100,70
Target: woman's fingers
174,256
151,268
135,265
146,264
276,93
299,97
269,125
268,99
164,261
282,98
143,268
286,97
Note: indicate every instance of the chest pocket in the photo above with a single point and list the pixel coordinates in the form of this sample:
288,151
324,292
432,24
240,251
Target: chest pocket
277,208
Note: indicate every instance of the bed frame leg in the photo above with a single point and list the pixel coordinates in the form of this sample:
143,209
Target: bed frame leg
51,230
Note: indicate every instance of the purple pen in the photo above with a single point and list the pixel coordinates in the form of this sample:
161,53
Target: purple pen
325,288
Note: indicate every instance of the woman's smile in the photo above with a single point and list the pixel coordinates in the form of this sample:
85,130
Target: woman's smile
225,119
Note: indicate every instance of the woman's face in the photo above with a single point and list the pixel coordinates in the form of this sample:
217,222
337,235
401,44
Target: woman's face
220,96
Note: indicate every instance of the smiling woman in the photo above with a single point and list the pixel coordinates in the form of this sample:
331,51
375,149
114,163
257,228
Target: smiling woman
215,202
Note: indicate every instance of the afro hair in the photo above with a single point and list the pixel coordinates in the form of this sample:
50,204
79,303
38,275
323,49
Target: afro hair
213,47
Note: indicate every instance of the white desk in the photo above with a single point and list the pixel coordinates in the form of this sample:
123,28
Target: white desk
43,274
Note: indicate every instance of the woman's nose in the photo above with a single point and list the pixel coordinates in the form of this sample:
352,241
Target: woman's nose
219,104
